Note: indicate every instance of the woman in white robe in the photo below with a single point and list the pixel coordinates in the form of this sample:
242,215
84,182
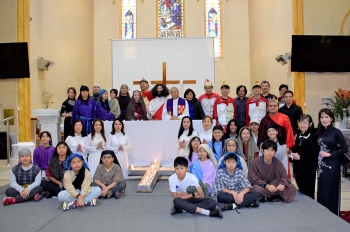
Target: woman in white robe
95,144
119,142
76,139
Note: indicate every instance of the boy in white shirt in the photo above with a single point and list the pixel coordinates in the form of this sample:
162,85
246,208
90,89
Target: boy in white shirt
192,203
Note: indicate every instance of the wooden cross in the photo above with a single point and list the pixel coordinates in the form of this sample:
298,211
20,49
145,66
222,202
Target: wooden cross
165,81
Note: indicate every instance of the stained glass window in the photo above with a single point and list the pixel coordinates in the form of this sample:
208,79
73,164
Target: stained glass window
212,22
128,19
170,18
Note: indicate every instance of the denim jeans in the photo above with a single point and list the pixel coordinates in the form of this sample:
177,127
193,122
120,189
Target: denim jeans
64,196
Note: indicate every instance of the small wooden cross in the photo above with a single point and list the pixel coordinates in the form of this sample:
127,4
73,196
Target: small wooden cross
165,81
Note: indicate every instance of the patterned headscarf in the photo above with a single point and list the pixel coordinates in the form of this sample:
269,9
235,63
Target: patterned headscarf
222,164
75,155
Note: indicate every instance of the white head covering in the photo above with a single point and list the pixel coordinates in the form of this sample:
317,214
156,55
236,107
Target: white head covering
210,153
97,85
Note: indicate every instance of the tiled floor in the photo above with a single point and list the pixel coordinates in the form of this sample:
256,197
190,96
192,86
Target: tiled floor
345,183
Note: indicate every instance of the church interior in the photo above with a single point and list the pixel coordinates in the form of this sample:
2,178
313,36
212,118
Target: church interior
75,38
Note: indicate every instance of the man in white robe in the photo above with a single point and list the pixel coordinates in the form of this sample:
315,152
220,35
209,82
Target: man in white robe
160,93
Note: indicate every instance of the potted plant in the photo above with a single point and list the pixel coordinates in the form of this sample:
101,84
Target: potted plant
341,106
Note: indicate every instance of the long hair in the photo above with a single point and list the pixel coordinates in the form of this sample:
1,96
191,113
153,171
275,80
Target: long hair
130,109
165,91
121,122
72,131
228,130
102,130
222,139
68,153
182,129
190,146
320,127
48,134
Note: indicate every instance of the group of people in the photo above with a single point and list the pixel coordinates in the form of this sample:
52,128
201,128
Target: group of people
241,157
262,153
155,104
77,171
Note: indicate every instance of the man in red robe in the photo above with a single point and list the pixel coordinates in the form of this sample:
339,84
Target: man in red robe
256,105
146,94
282,122
224,107
208,98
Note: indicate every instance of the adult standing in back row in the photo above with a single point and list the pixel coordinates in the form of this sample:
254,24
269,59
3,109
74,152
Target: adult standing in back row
290,109
208,98
84,109
256,105
241,102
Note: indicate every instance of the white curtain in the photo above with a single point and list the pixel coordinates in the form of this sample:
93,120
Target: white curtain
186,59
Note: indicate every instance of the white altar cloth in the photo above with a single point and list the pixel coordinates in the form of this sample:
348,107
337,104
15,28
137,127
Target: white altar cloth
153,140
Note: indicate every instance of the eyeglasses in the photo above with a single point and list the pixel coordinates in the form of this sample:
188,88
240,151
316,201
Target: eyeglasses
231,145
107,157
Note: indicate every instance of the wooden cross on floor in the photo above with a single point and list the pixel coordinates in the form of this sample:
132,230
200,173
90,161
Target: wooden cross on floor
165,81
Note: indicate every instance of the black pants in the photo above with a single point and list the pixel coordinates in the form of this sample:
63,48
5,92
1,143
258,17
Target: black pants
248,198
191,204
119,187
51,187
11,192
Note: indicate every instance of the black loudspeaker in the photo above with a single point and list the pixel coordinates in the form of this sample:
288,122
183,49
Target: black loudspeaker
3,145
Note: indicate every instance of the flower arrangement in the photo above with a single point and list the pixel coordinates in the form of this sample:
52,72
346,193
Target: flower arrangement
341,104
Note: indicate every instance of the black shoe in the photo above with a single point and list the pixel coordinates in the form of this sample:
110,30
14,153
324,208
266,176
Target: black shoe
216,213
255,203
225,207
175,210
262,199
275,198
46,194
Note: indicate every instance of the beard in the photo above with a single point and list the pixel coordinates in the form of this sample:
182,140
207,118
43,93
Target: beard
160,94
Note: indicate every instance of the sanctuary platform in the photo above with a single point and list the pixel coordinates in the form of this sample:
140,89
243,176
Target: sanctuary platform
151,212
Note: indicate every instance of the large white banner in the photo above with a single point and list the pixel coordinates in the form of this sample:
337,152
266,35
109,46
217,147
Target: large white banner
186,59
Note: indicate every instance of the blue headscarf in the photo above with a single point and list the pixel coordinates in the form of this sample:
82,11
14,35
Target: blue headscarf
75,155
222,164
102,91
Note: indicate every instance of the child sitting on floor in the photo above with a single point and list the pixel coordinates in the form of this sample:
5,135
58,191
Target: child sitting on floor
77,180
109,175
205,167
56,170
231,187
179,182
25,180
